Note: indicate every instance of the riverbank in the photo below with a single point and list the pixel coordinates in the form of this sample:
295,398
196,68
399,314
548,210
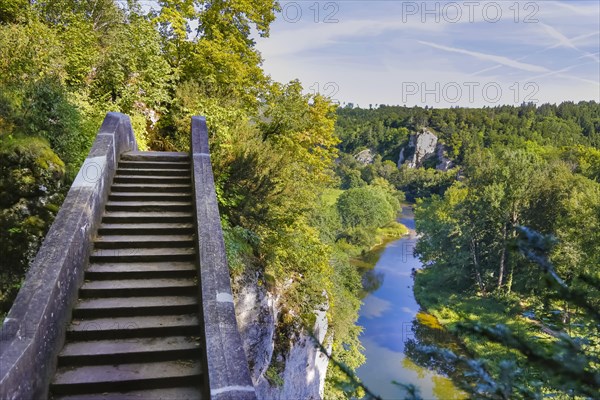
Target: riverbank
439,295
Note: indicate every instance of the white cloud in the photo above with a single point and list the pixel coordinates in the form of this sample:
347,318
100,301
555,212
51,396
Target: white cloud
563,41
371,53
314,36
490,57
374,307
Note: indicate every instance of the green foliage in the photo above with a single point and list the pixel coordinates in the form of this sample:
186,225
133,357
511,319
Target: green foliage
520,350
273,377
365,207
422,182
465,131
31,177
13,10
476,273
29,52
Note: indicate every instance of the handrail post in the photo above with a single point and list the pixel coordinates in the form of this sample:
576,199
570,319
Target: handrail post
227,372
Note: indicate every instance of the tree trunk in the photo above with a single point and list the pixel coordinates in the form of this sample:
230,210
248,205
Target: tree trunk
511,261
509,281
476,266
502,258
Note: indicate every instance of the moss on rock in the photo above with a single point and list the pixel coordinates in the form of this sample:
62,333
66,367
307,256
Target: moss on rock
31,191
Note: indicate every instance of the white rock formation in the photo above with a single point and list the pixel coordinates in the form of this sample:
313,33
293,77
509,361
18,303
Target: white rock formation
365,157
444,163
421,146
305,366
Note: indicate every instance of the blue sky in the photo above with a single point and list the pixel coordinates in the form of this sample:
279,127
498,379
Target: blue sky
439,54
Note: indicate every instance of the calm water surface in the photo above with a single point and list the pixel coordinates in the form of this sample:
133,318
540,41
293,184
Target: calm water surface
393,325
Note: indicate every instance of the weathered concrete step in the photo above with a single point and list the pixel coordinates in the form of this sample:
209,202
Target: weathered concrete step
142,196
133,327
152,179
138,287
179,393
151,188
135,306
137,206
146,229
153,164
140,255
108,271
143,241
155,156
120,217
107,378
125,350
153,172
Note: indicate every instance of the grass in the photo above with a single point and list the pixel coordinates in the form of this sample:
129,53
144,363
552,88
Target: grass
436,292
366,260
392,231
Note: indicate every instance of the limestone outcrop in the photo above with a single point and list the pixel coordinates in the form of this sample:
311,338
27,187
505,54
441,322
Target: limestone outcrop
444,163
421,146
365,157
305,367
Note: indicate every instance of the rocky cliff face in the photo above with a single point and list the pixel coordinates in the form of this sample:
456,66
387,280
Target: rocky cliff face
444,163
421,146
365,157
303,376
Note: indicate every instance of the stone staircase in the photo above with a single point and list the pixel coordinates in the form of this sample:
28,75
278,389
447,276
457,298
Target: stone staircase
135,331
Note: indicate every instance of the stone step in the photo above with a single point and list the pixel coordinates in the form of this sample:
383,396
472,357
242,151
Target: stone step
125,350
162,180
138,206
153,172
119,217
155,156
107,378
116,270
135,306
138,287
133,327
124,164
151,188
142,255
143,241
141,196
180,393
146,229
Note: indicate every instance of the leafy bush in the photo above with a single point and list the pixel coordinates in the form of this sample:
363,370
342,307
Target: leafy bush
367,207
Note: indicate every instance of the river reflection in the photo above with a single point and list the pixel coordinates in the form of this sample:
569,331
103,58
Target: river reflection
393,326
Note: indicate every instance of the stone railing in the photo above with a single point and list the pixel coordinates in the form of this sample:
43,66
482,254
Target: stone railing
227,367
34,329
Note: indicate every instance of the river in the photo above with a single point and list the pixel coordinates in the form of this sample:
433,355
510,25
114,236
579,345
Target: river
393,324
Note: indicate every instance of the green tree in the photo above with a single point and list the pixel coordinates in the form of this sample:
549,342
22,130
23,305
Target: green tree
367,207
